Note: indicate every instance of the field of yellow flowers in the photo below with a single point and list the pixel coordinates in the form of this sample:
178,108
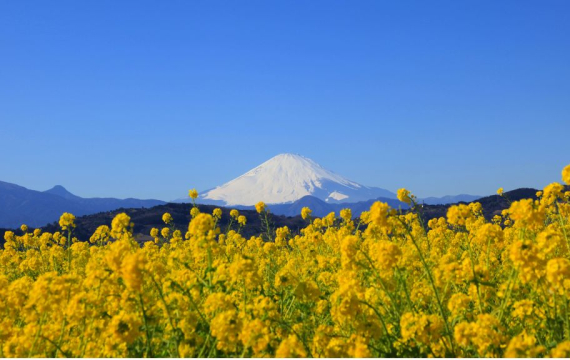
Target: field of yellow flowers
383,285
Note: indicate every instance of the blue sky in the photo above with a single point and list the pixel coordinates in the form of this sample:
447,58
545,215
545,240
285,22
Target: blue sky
151,98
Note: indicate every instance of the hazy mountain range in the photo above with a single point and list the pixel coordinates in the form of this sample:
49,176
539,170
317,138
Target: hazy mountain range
19,205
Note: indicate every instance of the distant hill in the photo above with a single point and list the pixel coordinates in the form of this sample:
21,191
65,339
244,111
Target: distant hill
147,218
19,205
449,199
492,205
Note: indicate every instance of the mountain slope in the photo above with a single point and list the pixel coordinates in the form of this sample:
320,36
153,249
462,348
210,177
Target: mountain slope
286,178
449,199
19,205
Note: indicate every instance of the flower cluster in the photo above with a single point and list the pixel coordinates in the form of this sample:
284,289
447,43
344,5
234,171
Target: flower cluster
462,286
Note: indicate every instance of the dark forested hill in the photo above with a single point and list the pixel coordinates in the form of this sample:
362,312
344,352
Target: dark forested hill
147,218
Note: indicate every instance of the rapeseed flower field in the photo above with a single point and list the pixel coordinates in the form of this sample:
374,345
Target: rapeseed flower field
386,284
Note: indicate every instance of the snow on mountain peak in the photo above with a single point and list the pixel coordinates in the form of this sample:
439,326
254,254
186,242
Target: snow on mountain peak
286,178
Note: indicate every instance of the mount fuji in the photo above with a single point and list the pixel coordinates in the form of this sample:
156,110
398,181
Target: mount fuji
286,178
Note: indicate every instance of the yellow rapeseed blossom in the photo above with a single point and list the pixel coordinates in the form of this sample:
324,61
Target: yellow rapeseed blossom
470,284
193,194
120,225
201,225
566,175
558,275
67,221
101,235
167,218
524,345
378,215
305,213
260,207
562,350
346,214
291,347
404,196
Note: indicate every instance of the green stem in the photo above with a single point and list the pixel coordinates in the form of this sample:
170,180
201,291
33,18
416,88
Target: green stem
432,282
174,328
146,327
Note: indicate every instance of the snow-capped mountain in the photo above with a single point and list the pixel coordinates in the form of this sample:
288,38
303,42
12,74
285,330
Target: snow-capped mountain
286,178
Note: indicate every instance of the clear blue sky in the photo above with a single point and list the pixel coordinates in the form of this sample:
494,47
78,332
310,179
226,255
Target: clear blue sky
151,98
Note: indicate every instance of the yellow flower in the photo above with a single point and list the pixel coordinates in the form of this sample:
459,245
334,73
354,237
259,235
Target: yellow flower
255,334
242,220
458,303
552,192
9,236
346,214
193,194
217,213
67,221
525,256
526,214
404,196
201,225
421,327
132,270
558,274
125,327
101,235
167,218
562,350
459,215
234,214
291,347
120,225
500,191
486,334
305,212
226,328
523,309
24,228
387,254
566,175
260,207
524,345
378,215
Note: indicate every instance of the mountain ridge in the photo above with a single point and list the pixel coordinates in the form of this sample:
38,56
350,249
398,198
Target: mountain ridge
147,218
19,205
